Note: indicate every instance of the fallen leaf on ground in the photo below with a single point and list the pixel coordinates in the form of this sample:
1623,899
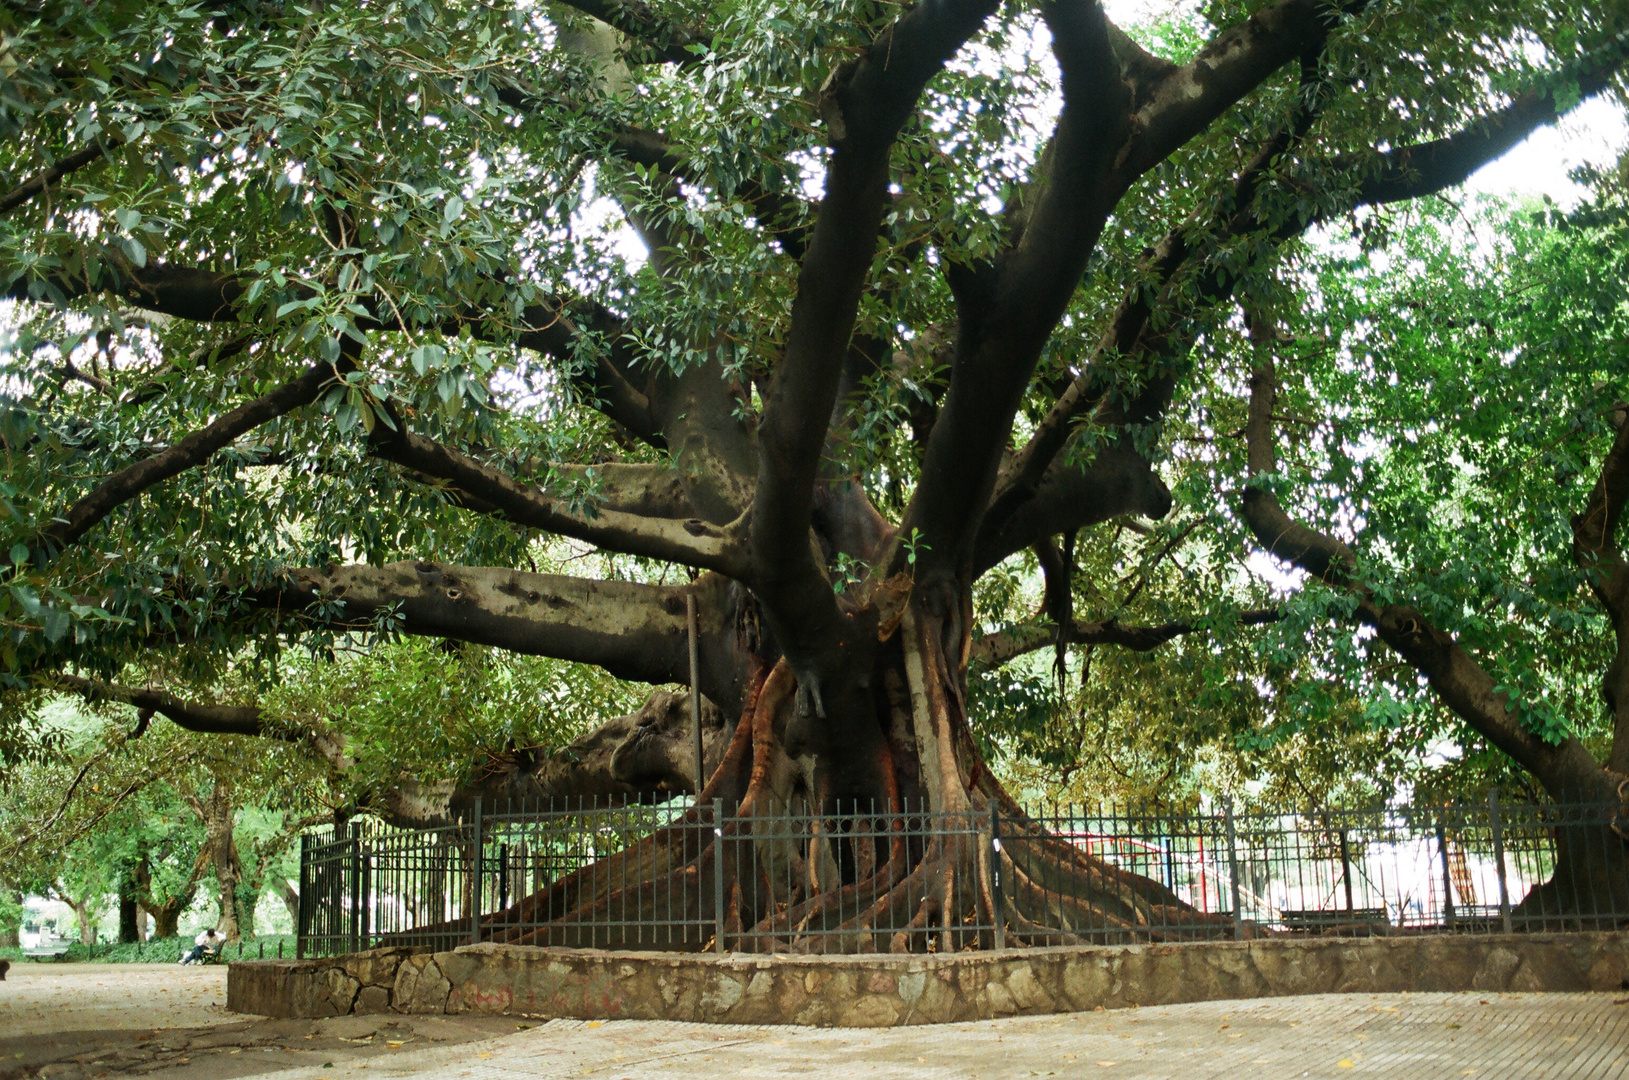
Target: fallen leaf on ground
1344,1063
483,1055
596,1023
1108,1064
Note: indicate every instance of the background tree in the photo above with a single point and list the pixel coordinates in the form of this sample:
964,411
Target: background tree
1481,550
374,236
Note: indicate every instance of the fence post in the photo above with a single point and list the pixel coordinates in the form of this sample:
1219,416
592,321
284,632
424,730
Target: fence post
1497,826
475,878
1447,878
695,690
365,853
1233,869
998,905
718,875
356,886
1346,870
302,903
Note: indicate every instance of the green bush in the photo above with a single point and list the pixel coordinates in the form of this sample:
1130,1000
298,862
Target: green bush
164,950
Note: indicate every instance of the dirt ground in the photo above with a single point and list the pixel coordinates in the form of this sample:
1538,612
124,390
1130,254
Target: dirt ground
74,1021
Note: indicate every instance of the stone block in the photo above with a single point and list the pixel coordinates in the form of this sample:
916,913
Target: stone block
1498,965
997,1001
1026,990
1607,973
330,993
723,991
910,986
407,982
430,991
870,1012
1086,981
371,1000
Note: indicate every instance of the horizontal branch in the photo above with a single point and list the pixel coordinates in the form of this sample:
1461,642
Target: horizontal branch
691,541
199,295
1117,481
406,801
190,452
204,719
65,166
668,41
631,629
1412,172
993,650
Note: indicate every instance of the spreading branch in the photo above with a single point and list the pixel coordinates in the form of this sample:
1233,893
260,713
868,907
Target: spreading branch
633,630
865,102
188,453
65,166
1145,334
691,541
994,649
1595,548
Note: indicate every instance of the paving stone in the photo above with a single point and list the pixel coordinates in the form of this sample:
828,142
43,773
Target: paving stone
1411,1036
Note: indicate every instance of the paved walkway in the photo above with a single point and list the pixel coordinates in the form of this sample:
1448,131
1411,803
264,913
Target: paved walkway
1412,1036
43,998
86,1022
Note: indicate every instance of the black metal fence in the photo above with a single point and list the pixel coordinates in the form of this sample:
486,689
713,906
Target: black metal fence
688,878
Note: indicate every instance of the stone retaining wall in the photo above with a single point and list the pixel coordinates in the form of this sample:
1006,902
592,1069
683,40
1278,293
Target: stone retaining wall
882,991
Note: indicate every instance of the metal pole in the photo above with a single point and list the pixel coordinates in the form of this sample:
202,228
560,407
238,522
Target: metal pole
367,893
475,880
1499,858
1447,878
695,692
1346,870
718,875
302,916
1233,869
356,886
997,915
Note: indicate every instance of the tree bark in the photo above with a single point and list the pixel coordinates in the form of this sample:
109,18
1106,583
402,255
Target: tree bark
130,929
218,814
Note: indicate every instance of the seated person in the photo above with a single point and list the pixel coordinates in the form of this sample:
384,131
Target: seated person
205,944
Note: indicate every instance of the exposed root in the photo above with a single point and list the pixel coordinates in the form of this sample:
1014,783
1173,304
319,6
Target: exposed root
793,879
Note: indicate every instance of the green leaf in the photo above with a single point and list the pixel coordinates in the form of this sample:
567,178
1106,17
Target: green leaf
56,624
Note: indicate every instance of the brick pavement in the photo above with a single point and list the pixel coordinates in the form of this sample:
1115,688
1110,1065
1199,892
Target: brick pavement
1413,1036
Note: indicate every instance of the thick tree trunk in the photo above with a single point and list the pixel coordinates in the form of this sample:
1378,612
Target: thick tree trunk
291,900
167,913
905,885
11,933
1589,886
166,920
219,822
130,917
82,915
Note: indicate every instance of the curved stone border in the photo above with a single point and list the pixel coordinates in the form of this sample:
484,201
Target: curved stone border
883,991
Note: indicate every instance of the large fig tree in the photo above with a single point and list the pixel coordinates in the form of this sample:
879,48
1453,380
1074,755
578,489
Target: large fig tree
806,315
